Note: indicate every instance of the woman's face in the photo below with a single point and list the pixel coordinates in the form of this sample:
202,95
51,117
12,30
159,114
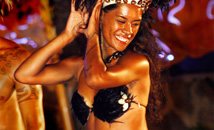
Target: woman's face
119,26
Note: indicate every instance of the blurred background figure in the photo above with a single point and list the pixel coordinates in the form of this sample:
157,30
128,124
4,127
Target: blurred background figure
29,24
21,105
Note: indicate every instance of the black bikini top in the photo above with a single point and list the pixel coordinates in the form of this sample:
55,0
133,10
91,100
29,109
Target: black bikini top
109,104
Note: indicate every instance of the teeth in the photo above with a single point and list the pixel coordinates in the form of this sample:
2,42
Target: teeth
121,38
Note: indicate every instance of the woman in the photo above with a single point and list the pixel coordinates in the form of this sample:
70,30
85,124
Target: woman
117,76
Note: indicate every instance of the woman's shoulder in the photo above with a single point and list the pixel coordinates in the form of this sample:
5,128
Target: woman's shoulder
136,62
135,59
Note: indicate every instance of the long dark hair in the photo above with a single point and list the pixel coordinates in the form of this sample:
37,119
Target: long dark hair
144,43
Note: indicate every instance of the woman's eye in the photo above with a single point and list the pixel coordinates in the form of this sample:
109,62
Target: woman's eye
119,21
136,24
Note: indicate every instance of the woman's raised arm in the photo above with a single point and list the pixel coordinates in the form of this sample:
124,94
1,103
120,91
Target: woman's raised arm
35,70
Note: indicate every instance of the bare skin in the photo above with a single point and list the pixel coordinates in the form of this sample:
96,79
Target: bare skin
92,74
20,104
121,22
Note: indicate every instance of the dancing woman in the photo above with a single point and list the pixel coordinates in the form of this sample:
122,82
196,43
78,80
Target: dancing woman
118,77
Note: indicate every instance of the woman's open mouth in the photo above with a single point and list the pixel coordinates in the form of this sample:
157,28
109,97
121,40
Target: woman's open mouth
122,39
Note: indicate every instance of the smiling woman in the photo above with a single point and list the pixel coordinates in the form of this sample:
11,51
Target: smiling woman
118,78
120,26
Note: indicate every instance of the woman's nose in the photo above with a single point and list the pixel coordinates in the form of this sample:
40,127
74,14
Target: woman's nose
127,29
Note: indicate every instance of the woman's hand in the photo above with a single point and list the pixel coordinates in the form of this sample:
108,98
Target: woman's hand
77,21
93,26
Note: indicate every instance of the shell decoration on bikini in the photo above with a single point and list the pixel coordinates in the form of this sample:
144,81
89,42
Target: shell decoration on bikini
125,101
144,4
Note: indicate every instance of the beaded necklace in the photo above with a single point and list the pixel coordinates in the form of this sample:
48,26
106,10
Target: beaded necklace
114,56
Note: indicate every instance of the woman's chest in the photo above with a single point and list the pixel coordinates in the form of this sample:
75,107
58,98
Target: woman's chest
85,91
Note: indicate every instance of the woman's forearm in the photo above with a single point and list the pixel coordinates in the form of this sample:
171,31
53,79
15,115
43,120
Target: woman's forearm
37,61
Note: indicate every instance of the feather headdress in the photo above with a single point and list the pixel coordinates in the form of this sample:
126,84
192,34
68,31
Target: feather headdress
144,4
